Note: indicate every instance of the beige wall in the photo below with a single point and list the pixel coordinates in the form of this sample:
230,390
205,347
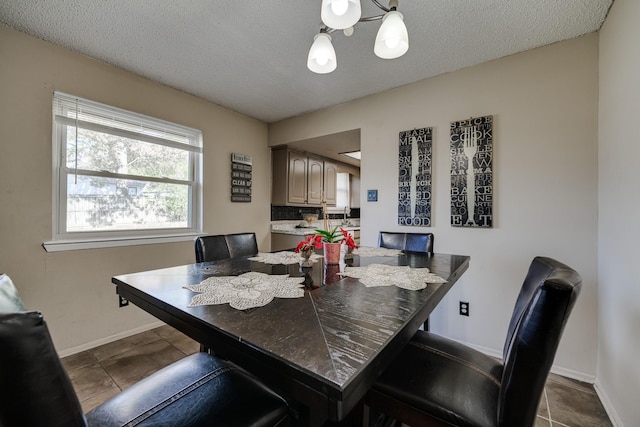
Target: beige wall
619,203
73,289
545,105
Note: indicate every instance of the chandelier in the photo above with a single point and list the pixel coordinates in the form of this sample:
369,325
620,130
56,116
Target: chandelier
391,42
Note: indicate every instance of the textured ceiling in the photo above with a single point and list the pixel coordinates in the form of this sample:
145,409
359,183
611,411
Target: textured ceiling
250,56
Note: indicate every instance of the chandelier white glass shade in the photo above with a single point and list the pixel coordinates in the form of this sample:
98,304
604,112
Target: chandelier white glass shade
322,56
340,14
391,42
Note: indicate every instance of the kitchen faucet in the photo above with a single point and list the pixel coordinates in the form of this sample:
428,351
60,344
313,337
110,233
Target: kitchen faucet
345,221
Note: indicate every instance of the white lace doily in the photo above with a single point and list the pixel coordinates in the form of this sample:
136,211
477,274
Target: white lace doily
391,275
369,251
284,257
247,290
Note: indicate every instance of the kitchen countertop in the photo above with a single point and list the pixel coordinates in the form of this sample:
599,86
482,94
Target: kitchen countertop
289,227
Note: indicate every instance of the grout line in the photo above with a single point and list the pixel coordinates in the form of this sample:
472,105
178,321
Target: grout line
546,399
551,422
544,418
109,374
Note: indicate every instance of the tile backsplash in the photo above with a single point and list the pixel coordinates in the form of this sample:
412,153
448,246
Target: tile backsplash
281,213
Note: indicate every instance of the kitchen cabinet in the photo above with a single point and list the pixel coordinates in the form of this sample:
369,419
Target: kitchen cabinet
355,233
296,178
330,182
301,179
282,240
315,180
285,242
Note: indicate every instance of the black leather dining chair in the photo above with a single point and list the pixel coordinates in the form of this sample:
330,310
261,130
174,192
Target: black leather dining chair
211,248
242,244
199,390
436,381
225,246
410,242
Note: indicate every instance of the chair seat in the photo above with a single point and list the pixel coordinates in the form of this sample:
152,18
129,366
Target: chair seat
440,378
199,390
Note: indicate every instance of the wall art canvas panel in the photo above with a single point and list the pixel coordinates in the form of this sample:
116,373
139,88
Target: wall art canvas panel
414,179
471,144
241,165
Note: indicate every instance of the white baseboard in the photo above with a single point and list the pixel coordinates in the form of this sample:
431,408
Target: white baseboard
575,375
565,372
608,405
93,344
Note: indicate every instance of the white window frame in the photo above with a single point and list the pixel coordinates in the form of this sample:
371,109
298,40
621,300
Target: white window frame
342,189
136,126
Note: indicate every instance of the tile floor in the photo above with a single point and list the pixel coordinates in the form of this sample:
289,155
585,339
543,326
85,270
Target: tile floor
100,373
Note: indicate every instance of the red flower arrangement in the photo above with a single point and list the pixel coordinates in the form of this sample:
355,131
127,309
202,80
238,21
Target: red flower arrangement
312,241
348,239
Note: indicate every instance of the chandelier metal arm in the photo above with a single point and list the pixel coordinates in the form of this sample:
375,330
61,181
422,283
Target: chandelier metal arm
377,3
371,18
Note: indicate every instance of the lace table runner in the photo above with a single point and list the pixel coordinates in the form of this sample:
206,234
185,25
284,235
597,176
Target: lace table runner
248,290
284,257
390,275
369,251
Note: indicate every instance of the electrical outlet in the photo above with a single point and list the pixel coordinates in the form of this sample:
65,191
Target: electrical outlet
122,302
464,308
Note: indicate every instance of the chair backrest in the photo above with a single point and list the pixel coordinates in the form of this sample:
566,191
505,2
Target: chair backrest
211,248
34,387
411,242
10,300
541,311
242,244
225,246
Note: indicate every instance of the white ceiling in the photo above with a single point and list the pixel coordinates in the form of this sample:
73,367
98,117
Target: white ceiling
250,56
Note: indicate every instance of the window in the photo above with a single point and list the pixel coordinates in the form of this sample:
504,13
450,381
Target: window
121,177
342,195
342,190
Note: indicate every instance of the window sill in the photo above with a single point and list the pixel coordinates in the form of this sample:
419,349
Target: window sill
74,245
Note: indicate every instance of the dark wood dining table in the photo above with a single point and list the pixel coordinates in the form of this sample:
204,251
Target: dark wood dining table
321,351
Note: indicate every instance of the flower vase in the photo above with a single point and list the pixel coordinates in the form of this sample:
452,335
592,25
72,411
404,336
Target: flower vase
331,252
330,275
305,260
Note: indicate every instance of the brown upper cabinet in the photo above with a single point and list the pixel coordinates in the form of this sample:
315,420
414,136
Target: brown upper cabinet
301,179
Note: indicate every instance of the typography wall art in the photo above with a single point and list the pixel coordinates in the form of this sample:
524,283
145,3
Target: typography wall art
414,178
471,145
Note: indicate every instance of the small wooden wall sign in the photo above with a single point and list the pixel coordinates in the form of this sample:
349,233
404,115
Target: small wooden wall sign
240,177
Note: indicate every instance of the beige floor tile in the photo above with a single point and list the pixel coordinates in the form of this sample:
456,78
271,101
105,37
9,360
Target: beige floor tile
569,382
542,422
79,360
135,364
178,339
107,351
575,407
543,409
90,381
98,399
